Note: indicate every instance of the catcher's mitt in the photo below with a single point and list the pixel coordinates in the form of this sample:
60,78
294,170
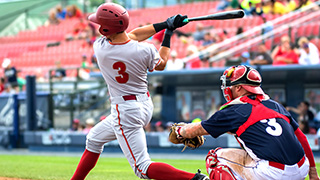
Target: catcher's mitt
176,138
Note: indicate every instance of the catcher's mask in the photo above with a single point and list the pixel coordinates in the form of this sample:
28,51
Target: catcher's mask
111,17
245,76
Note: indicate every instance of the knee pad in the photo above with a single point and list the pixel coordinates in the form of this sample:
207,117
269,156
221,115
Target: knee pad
215,170
221,172
212,160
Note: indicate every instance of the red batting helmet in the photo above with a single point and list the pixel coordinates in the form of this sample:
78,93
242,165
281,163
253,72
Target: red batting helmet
245,76
111,17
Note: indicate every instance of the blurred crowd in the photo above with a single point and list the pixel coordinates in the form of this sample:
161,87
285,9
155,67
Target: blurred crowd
11,82
260,7
289,51
307,117
83,29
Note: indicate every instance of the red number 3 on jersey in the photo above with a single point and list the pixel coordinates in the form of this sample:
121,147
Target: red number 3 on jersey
121,67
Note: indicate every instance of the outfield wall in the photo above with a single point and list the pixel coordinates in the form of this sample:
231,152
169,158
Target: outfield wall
158,142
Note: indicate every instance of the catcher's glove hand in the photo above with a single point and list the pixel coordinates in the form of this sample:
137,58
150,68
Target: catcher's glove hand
176,138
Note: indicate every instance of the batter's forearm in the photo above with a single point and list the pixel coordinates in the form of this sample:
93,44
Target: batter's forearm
165,50
142,33
164,53
193,130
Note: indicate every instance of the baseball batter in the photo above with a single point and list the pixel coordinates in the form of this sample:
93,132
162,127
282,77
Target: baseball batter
273,147
124,62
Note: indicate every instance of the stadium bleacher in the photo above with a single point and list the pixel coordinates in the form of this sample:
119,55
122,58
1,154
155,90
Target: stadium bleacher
29,48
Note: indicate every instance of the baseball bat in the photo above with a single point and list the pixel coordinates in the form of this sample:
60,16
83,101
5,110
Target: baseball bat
218,16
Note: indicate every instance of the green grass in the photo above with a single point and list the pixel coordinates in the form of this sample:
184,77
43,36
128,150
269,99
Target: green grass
62,168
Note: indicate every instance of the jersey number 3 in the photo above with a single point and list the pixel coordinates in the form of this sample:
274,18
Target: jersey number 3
273,128
121,68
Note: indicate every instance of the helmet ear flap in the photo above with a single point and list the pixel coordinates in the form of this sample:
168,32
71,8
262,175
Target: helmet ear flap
227,94
103,30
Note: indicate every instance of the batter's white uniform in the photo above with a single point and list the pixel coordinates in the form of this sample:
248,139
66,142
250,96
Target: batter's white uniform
124,68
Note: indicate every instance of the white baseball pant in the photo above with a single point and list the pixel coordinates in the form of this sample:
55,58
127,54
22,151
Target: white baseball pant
125,123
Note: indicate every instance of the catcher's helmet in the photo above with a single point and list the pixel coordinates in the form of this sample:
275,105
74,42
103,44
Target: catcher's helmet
111,17
245,76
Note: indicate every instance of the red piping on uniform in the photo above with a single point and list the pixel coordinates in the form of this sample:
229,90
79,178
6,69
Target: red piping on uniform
127,141
155,65
120,43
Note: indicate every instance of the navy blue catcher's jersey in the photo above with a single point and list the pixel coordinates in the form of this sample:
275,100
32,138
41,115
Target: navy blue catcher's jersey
270,139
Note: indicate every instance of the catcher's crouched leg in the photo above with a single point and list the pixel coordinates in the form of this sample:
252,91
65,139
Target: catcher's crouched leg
215,170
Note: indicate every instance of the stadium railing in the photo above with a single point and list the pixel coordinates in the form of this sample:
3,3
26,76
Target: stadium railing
233,46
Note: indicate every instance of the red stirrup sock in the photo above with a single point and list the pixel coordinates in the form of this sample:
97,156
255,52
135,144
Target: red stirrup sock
162,171
87,162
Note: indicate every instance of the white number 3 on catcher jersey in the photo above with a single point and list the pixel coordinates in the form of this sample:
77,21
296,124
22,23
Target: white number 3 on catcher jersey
273,128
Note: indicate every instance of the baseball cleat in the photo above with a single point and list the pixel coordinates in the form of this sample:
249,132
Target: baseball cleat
200,176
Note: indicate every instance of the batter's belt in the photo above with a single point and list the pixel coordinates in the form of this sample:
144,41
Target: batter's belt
138,97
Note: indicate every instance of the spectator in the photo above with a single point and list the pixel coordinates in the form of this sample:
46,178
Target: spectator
8,90
249,5
221,36
148,128
169,125
267,27
59,72
75,125
174,63
185,109
84,63
239,30
52,19
207,41
89,125
303,4
21,81
60,12
191,49
198,35
73,12
10,75
1,85
290,5
305,116
245,58
80,30
262,56
255,10
284,53
84,70
223,4
159,126
309,53
234,4
94,61
39,76
278,7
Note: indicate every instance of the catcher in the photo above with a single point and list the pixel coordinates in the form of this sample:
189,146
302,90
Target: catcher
273,147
